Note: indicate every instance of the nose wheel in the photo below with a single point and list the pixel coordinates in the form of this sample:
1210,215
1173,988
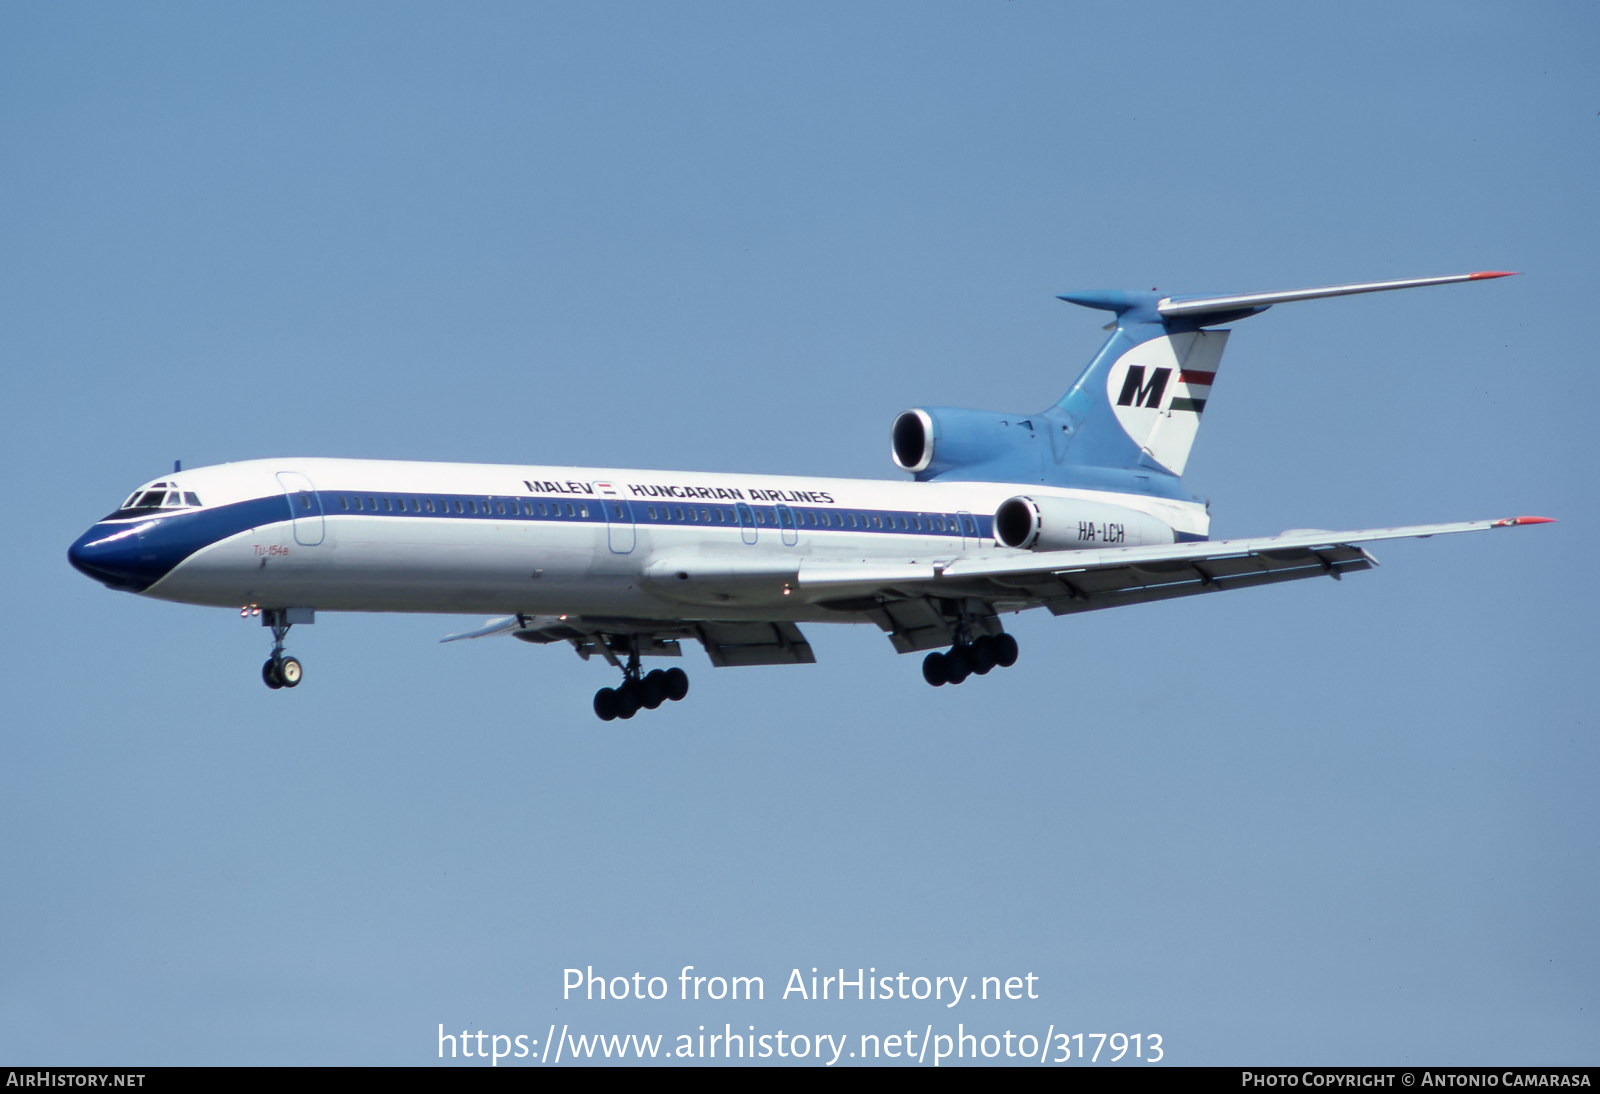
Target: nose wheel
280,670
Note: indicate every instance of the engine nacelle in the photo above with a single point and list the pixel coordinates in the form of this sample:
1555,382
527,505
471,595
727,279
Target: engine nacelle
928,441
1065,524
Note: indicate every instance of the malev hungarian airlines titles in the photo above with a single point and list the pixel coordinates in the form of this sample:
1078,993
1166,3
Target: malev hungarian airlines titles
1078,507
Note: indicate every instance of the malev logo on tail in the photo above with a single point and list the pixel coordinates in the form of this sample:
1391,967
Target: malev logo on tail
1158,389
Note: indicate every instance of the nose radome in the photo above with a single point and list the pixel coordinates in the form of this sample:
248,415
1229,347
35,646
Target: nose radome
110,554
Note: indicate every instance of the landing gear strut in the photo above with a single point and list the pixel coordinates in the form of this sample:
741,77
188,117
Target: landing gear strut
648,691
965,658
279,671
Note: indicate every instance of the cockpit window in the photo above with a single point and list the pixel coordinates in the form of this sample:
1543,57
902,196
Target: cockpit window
155,497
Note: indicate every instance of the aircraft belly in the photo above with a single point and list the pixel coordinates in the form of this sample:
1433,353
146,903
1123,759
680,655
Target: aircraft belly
384,565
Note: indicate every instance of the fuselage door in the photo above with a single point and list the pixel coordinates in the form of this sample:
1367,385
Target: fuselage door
305,507
786,526
747,523
969,531
620,531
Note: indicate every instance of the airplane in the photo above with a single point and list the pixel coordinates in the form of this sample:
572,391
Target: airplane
1076,508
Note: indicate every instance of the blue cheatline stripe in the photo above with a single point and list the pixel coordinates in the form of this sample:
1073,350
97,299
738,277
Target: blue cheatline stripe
114,553
652,513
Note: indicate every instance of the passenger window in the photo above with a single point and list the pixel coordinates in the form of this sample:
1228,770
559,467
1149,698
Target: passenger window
344,502
570,511
679,513
583,510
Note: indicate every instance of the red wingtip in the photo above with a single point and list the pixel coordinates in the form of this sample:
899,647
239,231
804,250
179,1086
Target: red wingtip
1484,275
1510,521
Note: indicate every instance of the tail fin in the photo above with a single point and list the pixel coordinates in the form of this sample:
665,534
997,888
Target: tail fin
1134,412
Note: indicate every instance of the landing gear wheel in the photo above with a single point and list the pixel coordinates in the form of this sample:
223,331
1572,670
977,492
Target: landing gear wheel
653,689
677,682
628,700
981,655
1005,650
269,675
605,704
957,666
289,672
933,669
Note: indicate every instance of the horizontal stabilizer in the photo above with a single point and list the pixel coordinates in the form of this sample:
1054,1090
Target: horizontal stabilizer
1172,307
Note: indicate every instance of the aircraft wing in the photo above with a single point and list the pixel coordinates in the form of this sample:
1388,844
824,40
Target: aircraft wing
915,600
1088,580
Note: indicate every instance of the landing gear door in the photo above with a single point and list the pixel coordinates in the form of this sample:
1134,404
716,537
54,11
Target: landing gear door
305,507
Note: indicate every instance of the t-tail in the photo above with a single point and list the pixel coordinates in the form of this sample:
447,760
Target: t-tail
1130,419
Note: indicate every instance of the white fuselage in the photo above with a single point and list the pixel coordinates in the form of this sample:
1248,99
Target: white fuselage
389,536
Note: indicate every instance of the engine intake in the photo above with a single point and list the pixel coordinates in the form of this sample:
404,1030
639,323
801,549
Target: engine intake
929,441
1066,524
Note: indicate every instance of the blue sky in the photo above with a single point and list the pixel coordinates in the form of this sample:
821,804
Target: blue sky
1320,823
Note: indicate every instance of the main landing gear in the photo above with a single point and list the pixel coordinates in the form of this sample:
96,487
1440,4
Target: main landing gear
279,671
967,658
648,691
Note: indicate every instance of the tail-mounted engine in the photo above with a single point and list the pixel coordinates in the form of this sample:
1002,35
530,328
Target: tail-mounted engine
1064,524
983,444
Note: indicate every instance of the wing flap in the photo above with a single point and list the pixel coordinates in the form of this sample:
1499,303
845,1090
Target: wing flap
1116,586
730,645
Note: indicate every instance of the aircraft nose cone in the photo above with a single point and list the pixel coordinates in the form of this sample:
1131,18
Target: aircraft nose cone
111,554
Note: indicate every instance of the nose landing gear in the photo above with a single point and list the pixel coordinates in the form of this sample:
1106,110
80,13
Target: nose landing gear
280,671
